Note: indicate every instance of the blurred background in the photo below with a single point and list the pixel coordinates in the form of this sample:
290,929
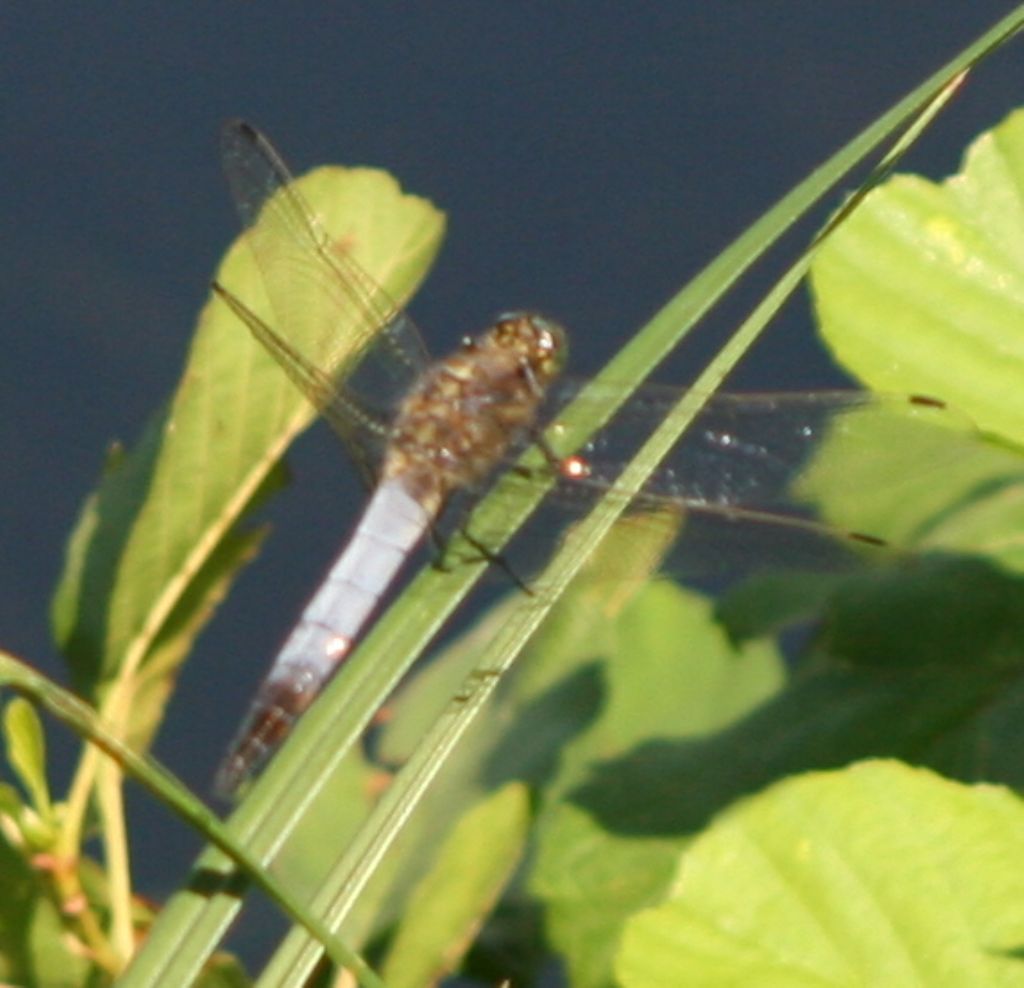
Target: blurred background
590,157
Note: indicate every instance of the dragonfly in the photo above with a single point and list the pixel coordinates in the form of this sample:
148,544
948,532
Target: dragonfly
425,431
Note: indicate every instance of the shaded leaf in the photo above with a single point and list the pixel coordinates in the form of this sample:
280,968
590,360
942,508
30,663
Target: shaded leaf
20,892
448,906
937,681
670,673
223,971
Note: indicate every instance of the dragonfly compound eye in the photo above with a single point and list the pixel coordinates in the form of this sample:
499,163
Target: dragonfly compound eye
543,340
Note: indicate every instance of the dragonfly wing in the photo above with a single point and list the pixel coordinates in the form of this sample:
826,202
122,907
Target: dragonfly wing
744,450
341,338
799,480
363,431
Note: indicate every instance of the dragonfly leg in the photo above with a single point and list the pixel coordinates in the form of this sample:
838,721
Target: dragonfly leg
496,559
554,460
444,563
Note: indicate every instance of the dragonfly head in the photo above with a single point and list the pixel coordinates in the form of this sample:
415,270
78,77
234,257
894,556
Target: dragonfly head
540,342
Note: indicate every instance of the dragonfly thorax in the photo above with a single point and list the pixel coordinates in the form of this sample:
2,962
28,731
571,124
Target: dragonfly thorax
466,411
539,342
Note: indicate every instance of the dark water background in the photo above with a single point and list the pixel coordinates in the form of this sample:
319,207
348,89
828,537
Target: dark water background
591,157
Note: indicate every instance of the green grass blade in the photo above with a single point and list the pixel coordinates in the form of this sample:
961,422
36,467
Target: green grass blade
83,719
281,800
415,618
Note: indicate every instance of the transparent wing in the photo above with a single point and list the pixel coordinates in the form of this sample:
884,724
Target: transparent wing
741,449
350,349
802,480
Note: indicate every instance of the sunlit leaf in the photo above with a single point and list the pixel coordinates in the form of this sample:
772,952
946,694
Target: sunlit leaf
156,545
930,481
921,291
876,875
26,750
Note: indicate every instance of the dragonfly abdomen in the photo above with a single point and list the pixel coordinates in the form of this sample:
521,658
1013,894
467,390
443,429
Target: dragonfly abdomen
392,525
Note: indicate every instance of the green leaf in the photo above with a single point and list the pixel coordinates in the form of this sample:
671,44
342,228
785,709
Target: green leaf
766,603
590,881
157,545
922,289
36,945
223,971
199,599
591,878
449,904
926,479
925,663
876,875
54,960
943,612
26,751
16,905
210,459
